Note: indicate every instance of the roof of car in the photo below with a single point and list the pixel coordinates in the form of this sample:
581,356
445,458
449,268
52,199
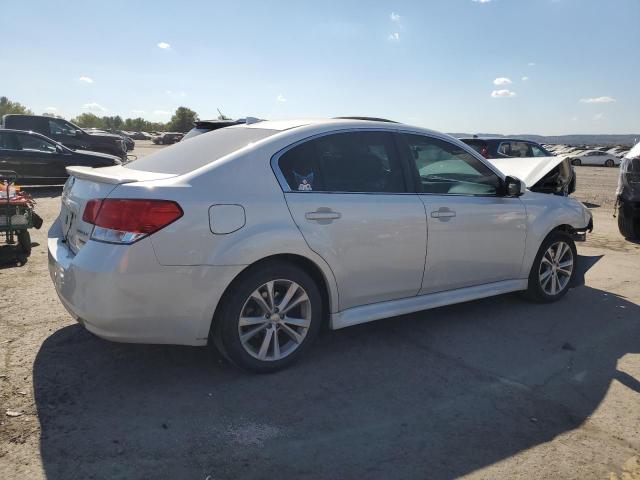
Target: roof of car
501,139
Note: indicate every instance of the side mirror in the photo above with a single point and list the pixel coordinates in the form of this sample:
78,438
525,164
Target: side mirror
59,149
78,133
513,187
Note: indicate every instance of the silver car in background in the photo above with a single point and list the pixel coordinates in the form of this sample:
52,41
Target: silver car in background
252,236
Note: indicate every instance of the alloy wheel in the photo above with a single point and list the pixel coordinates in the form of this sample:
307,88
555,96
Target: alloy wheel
274,320
556,268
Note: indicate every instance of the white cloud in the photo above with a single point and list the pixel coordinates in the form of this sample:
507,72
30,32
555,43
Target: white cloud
574,119
598,100
480,1
138,112
94,107
502,81
280,98
598,116
51,109
394,37
394,17
161,112
85,79
524,79
164,45
503,93
531,64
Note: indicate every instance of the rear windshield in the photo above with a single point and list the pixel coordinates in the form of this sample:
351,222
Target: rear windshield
184,157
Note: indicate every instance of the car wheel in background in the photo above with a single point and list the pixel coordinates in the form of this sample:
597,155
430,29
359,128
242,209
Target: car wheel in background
609,163
553,268
269,317
576,162
628,226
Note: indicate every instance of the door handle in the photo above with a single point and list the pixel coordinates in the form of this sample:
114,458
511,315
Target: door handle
443,213
322,214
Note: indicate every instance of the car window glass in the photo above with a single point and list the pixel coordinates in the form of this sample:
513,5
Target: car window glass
538,152
520,149
35,144
344,162
8,141
445,168
58,127
505,149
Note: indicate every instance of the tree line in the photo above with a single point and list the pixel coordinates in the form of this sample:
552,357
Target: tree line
181,121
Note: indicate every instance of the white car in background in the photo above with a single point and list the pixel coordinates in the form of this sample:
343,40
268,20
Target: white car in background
594,157
253,236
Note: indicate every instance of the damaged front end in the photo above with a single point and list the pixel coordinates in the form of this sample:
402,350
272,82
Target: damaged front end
554,175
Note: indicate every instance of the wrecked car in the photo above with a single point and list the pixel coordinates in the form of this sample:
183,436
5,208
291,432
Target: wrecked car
628,195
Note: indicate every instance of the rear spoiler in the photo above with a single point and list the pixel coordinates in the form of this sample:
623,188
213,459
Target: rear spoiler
115,175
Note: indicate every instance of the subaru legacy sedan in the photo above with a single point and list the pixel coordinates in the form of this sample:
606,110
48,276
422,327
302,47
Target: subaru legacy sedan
251,237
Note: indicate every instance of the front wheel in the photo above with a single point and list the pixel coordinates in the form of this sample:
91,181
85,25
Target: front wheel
609,163
576,161
553,269
629,226
269,318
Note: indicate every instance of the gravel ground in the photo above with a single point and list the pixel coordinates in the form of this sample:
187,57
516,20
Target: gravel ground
497,388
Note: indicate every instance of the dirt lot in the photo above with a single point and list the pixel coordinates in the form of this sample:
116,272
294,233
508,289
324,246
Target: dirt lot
497,388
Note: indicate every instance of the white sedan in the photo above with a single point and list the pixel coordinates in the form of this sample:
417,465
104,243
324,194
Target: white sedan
594,157
252,236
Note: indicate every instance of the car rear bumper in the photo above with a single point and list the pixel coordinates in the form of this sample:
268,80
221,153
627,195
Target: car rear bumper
121,292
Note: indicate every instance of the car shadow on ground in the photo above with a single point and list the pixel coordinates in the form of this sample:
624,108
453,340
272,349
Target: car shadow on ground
436,394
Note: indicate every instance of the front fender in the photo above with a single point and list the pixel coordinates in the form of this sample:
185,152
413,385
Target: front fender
545,213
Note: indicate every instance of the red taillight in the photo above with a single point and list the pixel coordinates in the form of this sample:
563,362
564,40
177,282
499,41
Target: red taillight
131,219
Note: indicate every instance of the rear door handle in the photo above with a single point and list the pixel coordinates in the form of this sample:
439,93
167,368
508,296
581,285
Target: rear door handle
322,215
443,212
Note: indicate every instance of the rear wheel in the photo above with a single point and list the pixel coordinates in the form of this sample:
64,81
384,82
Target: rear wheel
269,318
553,268
628,226
24,242
576,161
609,163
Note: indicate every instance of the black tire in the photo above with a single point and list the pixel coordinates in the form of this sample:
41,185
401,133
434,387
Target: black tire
535,290
24,242
576,161
628,226
226,329
609,163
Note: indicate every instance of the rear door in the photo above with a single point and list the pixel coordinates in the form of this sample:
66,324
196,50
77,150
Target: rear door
348,194
476,235
41,158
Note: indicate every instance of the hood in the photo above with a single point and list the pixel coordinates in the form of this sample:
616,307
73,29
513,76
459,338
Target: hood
90,153
529,169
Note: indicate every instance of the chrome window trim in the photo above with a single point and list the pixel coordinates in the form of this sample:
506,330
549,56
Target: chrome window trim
445,138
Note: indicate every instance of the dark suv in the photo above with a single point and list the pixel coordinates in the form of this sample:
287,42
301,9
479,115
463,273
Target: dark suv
561,180
68,134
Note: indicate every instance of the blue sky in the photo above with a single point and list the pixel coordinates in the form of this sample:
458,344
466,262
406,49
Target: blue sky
501,66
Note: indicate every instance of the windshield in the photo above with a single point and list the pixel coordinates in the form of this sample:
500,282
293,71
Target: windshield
185,157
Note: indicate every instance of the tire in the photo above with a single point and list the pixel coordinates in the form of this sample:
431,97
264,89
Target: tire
266,322
628,226
541,289
24,242
609,163
576,161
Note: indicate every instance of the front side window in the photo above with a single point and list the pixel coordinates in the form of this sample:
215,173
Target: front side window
60,127
447,169
344,162
538,152
35,144
515,149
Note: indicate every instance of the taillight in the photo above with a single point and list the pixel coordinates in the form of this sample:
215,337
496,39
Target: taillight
119,220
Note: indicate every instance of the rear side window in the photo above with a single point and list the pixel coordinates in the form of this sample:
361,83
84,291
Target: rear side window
364,162
477,145
199,151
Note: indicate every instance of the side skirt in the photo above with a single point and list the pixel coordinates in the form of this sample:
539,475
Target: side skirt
392,308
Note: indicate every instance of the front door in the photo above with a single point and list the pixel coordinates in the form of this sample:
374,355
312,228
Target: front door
476,235
348,195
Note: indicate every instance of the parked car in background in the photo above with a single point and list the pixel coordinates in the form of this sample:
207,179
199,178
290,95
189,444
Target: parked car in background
38,160
139,136
594,157
68,134
204,126
167,138
128,141
252,236
628,195
561,180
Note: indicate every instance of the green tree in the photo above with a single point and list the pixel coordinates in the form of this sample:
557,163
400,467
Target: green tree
88,120
182,120
7,106
112,123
